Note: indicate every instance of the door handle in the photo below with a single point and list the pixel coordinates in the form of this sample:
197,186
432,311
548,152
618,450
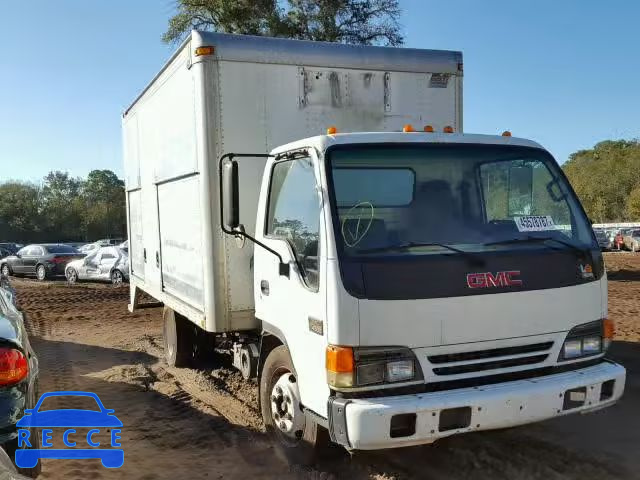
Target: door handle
144,254
264,287
157,260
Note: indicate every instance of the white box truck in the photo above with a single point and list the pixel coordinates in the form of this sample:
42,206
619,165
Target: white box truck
315,210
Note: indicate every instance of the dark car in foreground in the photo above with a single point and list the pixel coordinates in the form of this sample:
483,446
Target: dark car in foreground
43,260
18,373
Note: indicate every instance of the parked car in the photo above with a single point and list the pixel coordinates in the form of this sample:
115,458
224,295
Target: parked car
18,374
603,239
618,241
42,260
11,247
107,264
632,240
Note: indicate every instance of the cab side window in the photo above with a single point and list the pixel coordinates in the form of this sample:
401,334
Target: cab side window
294,213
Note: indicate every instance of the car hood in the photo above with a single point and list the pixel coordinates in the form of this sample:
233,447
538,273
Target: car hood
69,418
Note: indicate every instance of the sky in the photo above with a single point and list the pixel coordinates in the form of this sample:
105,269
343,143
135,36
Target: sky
564,73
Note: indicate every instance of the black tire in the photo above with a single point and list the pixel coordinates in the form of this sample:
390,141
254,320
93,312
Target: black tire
117,278
312,438
41,272
178,339
72,275
11,447
6,270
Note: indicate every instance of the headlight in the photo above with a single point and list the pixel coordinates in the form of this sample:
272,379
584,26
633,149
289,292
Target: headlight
352,367
588,339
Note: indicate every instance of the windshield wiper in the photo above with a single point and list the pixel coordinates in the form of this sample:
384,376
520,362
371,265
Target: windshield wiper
532,239
407,245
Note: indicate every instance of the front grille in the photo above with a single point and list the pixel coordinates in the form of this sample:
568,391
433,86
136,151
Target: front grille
446,385
495,352
494,365
496,358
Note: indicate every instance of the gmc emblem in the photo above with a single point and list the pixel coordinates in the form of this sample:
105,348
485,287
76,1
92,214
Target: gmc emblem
488,279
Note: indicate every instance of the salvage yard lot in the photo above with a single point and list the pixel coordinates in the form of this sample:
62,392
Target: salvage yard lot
181,423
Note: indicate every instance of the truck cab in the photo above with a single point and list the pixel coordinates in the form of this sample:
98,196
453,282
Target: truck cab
436,283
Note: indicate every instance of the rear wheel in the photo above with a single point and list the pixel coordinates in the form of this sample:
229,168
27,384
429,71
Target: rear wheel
72,275
117,278
178,340
41,273
297,437
6,271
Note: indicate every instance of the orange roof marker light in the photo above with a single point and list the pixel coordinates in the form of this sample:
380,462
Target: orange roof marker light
332,130
428,128
202,51
506,133
408,128
448,129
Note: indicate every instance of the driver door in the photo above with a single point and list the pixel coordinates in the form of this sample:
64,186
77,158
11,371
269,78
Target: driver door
291,224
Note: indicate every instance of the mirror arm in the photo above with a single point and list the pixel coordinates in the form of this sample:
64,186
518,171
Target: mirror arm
283,268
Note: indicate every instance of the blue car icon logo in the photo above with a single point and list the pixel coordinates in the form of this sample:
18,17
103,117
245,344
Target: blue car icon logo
30,451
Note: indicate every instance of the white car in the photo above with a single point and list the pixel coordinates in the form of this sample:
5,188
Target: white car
108,264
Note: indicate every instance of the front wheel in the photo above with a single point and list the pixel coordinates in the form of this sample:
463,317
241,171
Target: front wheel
72,275
117,278
6,271
41,273
297,437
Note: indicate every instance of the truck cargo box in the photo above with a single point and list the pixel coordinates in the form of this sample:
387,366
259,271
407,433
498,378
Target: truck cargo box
251,94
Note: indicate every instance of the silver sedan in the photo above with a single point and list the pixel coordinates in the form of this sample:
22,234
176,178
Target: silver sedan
106,264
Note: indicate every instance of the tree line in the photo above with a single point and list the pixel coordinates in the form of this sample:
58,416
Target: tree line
607,180
63,208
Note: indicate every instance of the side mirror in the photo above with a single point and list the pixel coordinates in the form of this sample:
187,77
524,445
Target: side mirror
230,196
520,193
18,255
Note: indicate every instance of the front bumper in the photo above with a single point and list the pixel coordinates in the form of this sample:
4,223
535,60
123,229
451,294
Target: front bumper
366,424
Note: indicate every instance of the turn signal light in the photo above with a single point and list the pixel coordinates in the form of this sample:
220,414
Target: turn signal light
506,133
408,128
609,329
13,366
332,130
428,128
340,366
201,51
448,129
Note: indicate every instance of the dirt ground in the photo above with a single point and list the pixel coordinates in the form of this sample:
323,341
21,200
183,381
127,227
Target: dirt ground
187,424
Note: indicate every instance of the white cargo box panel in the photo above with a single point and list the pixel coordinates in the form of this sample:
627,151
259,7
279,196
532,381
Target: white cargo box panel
250,96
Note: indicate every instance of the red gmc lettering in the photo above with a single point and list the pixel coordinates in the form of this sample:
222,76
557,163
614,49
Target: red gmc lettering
488,279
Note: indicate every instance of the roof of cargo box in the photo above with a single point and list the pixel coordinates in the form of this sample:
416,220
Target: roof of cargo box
322,142
247,48
254,49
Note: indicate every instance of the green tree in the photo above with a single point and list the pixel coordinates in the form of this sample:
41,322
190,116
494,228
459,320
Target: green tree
61,208
105,209
633,204
363,22
19,211
604,176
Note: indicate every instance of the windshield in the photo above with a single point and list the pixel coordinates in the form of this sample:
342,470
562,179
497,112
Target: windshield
419,200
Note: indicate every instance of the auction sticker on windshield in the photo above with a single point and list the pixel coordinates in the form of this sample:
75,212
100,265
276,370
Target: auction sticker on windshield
534,223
